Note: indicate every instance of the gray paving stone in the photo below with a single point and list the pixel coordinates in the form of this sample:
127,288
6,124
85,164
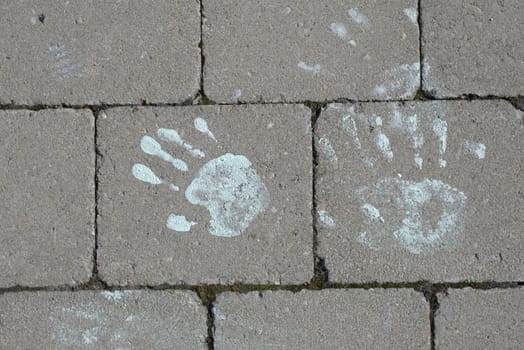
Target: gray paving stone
480,319
421,191
47,190
102,320
327,319
95,52
473,47
241,213
310,50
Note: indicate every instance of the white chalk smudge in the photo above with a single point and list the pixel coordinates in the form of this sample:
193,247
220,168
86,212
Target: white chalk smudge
65,67
358,17
401,81
440,129
316,69
349,125
477,149
201,125
179,223
408,205
328,150
171,135
150,146
384,146
340,30
417,139
412,14
326,219
372,212
232,192
113,295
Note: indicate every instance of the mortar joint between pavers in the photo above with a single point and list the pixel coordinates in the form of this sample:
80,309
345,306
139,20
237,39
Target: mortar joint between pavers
200,100
212,290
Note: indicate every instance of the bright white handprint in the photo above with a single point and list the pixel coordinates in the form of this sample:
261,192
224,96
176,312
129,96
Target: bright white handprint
227,186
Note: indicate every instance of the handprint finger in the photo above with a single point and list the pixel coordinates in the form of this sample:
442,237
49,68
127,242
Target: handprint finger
145,174
150,146
201,125
171,135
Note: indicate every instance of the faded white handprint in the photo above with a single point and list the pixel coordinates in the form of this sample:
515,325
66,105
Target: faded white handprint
227,186
418,215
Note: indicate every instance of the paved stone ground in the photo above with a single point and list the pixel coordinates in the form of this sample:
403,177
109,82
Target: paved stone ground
260,175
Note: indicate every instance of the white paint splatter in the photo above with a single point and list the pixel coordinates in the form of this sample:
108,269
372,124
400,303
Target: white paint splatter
316,69
403,79
179,223
358,17
232,192
238,93
150,146
440,129
412,14
340,30
372,212
326,219
477,149
328,150
171,135
412,206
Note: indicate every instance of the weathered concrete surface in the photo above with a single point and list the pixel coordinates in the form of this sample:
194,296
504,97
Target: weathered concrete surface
480,319
96,52
47,188
102,320
310,50
473,47
328,319
421,191
240,213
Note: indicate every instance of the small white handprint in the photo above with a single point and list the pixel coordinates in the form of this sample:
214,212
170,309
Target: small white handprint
418,215
227,186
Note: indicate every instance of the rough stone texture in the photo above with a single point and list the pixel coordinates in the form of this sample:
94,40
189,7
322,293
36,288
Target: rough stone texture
253,50
135,245
96,52
328,319
102,320
480,319
47,190
382,218
473,47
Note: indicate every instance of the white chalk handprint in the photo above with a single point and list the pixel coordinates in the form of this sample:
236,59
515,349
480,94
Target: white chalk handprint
417,215
227,186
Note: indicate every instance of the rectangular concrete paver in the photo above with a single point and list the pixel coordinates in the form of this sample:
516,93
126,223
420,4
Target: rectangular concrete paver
480,319
99,52
215,194
48,203
310,50
473,47
328,319
421,191
102,320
